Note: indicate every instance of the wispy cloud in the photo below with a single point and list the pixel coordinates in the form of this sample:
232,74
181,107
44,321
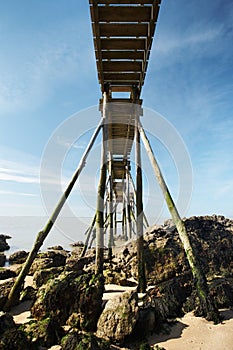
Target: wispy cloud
56,58
171,44
14,193
18,171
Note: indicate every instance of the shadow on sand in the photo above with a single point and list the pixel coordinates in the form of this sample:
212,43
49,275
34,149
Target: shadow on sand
226,314
170,331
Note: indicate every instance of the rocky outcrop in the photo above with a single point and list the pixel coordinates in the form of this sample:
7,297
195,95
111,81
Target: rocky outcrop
2,259
3,242
52,258
56,247
211,237
6,322
43,333
119,317
75,263
11,338
75,340
28,293
4,292
6,273
15,339
71,293
42,276
18,257
221,290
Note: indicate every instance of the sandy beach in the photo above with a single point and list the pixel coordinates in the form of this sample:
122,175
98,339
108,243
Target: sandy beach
188,332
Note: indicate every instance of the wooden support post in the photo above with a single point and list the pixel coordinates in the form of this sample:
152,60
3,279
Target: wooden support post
89,232
15,291
124,227
100,200
208,308
110,241
146,225
128,206
139,207
115,222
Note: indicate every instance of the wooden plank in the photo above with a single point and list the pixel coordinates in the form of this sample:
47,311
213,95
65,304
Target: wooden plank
120,2
124,13
108,77
123,55
116,30
122,66
123,44
118,88
123,83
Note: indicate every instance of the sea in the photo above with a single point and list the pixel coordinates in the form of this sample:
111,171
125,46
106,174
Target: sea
23,231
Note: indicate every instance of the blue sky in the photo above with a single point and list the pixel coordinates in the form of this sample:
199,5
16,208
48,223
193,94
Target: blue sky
48,73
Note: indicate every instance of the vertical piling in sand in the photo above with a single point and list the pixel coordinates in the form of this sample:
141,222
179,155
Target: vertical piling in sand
111,214
101,193
207,305
139,208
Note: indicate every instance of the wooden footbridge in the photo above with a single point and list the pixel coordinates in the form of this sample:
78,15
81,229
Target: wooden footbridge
123,31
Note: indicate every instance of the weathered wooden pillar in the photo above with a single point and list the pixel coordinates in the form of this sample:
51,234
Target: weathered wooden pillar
101,192
88,233
124,226
207,305
15,291
128,205
139,209
111,214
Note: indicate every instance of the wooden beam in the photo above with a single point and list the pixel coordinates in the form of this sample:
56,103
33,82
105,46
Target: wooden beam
123,55
122,2
118,88
109,77
123,44
124,13
122,29
122,66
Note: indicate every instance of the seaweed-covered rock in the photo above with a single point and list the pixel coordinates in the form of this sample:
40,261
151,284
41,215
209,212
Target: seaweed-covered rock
221,290
6,322
4,291
6,273
3,242
42,276
119,317
18,257
56,247
212,240
49,259
28,293
71,293
75,263
46,332
166,301
15,339
2,259
78,341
